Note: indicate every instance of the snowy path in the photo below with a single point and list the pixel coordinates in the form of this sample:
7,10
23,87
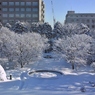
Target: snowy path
69,83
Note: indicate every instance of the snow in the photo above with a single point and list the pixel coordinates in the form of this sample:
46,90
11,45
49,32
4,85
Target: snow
71,82
2,74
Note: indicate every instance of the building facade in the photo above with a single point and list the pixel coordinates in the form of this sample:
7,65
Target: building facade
21,10
86,18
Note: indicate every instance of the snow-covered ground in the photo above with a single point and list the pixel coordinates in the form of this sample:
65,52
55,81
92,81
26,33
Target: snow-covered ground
49,83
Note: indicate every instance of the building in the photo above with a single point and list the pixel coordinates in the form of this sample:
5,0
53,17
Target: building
22,10
86,18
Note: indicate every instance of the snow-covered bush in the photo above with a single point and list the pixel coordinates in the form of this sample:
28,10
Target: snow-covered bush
2,74
74,49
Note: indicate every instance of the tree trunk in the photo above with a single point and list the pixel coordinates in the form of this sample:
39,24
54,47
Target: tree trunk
73,66
21,65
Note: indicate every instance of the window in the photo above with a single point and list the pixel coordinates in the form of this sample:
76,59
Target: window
22,9
4,3
72,20
88,20
93,20
22,3
11,15
4,9
28,3
77,20
35,15
35,9
93,26
11,3
22,15
11,21
28,15
5,21
17,3
28,9
35,3
5,15
11,9
16,9
34,20
17,15
29,21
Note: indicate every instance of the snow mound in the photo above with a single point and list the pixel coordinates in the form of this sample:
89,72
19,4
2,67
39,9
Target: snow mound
2,74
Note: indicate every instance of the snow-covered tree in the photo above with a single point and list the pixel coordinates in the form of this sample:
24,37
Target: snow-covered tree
93,65
42,29
8,44
8,25
58,30
21,27
69,29
30,47
21,48
74,49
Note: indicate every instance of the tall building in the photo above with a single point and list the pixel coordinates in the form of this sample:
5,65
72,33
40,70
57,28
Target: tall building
86,18
22,10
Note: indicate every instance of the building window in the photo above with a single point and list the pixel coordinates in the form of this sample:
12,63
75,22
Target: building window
11,9
88,20
28,21
11,21
4,3
35,15
28,9
22,15
72,20
5,15
35,3
11,3
11,15
22,3
93,20
17,15
17,3
5,21
34,20
76,15
4,9
77,20
28,15
22,9
93,26
35,9
17,9
28,3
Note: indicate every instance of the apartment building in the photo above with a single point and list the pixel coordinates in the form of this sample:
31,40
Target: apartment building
22,10
86,18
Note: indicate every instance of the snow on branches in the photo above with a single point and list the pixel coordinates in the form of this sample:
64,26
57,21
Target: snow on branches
74,49
22,48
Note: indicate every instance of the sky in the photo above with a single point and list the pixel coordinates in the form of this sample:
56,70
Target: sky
61,7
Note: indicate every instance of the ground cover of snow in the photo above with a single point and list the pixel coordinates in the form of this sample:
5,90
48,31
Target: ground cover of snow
49,83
